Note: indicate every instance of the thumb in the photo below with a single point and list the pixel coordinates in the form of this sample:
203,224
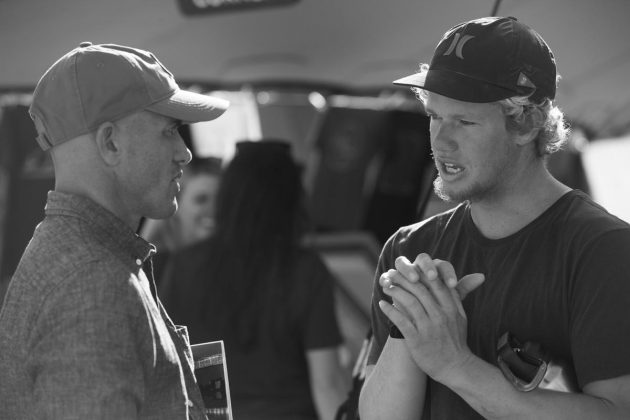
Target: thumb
469,283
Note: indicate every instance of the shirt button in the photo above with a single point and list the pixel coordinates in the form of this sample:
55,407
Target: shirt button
138,262
190,404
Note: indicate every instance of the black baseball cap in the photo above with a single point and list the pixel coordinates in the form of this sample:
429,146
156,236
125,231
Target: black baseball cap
489,59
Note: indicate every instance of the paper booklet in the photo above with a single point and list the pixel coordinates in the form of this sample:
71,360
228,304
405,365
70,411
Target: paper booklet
212,377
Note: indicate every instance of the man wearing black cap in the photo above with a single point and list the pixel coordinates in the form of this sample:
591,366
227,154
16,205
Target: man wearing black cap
82,333
555,264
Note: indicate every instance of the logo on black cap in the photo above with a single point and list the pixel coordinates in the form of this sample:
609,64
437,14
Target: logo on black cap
457,45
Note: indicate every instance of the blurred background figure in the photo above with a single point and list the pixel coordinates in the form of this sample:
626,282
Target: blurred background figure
253,285
194,219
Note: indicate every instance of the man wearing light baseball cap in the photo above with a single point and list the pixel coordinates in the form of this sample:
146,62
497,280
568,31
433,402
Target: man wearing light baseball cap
547,285
82,333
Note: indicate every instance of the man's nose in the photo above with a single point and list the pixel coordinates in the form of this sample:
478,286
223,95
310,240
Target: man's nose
442,137
183,155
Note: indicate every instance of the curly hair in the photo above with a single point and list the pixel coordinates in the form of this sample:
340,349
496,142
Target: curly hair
523,115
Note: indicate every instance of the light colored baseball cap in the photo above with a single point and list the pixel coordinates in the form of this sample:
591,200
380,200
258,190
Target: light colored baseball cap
93,84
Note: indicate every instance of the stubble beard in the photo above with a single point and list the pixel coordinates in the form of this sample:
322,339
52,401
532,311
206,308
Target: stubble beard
488,188
472,193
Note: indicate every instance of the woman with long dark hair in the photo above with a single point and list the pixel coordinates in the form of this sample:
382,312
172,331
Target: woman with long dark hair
270,299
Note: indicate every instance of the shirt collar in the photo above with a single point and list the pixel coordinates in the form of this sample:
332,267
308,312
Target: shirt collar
116,234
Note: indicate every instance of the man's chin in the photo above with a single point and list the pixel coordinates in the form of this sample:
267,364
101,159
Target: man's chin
450,195
164,212
442,192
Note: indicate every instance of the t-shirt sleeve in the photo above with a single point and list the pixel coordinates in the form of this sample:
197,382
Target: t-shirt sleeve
321,327
600,322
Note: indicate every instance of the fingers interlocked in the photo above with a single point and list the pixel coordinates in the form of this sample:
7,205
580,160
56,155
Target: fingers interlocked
424,288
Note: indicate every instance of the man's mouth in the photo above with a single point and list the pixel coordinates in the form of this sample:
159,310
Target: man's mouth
451,168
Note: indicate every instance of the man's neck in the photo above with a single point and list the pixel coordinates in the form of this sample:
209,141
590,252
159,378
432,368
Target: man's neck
510,211
101,196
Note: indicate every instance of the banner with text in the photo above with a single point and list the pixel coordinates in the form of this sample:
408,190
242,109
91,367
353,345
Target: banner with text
203,7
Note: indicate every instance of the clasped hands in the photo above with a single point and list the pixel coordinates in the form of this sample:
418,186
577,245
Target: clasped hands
427,309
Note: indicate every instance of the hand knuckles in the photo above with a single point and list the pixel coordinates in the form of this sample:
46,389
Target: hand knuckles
400,258
422,258
384,279
401,261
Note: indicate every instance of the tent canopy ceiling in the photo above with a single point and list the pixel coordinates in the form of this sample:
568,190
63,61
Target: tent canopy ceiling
353,43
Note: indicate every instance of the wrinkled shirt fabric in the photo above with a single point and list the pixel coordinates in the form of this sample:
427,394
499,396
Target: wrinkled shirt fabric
82,333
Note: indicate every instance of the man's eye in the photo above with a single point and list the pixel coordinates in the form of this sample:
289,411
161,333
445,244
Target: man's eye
466,122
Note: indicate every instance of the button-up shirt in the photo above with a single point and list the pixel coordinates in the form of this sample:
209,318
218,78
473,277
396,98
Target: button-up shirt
82,334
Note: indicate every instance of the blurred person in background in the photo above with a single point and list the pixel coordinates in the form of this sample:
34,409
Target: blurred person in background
82,334
253,285
194,219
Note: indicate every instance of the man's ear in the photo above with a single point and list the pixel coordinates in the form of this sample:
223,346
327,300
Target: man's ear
526,137
108,143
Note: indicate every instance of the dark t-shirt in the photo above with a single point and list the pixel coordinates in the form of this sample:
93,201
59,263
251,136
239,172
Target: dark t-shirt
270,380
562,281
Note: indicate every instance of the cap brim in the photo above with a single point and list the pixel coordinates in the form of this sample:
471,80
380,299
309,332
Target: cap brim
190,107
413,80
456,86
